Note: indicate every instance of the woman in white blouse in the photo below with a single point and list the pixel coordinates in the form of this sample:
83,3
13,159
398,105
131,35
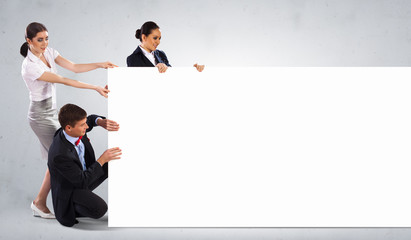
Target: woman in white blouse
40,74
147,54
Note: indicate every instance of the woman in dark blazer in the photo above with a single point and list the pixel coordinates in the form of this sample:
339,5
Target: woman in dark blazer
147,54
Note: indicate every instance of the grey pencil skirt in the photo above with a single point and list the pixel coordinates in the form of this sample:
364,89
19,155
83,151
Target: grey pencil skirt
44,122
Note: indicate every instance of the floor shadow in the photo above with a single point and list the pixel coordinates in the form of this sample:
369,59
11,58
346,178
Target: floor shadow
100,224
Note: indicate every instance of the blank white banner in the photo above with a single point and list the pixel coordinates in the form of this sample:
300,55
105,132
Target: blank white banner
261,147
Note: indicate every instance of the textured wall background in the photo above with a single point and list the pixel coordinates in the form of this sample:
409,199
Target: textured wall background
215,33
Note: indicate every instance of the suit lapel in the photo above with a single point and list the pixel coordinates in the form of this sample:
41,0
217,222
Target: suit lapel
158,60
89,152
71,148
139,52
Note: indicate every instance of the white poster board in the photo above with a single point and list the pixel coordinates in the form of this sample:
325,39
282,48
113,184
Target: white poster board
261,147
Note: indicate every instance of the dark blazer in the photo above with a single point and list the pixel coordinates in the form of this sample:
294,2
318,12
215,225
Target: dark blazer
138,59
66,173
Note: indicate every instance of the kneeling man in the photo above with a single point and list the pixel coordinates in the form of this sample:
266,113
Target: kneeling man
74,171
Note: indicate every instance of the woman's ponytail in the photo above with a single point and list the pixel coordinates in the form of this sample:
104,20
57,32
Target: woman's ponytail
24,49
138,34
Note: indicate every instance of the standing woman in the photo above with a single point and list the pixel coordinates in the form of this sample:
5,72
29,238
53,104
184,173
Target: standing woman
40,74
147,54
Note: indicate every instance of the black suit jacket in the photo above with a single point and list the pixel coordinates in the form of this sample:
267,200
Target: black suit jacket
138,59
66,173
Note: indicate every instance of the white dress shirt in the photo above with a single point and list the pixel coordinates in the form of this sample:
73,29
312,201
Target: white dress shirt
148,55
79,148
32,68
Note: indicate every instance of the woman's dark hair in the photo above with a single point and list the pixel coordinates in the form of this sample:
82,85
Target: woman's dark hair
146,29
31,31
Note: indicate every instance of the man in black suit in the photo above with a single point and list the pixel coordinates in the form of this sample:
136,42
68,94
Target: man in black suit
74,171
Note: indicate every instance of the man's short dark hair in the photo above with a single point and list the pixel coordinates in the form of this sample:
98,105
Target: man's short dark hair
70,114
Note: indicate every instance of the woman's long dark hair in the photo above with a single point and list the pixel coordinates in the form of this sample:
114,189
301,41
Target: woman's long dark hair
31,31
146,29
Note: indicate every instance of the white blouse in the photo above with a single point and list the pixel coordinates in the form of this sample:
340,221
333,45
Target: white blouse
148,55
32,68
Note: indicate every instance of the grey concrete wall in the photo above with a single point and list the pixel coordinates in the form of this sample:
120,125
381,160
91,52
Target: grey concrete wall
215,33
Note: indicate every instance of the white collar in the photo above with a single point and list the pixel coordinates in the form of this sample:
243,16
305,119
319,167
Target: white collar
71,139
32,57
145,51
